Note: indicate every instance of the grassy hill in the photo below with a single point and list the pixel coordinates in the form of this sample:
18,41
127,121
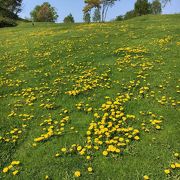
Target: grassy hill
104,96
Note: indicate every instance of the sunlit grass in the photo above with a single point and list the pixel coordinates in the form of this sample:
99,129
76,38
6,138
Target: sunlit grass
90,101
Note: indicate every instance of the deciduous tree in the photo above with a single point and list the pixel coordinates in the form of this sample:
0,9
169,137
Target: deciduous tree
142,7
44,13
119,18
69,19
102,5
130,14
87,17
10,8
11,5
156,7
97,15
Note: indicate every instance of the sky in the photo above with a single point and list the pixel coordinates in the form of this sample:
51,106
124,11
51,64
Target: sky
65,7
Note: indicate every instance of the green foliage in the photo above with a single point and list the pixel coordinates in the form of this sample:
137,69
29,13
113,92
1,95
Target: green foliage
69,19
7,13
87,17
7,22
14,6
156,7
142,7
102,5
97,15
9,10
44,13
119,18
130,14
90,4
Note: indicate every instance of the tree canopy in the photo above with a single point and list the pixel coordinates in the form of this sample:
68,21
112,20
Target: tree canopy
13,6
156,7
142,7
69,19
10,8
87,17
97,15
102,5
44,13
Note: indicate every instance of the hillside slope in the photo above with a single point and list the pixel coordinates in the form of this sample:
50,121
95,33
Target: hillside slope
104,96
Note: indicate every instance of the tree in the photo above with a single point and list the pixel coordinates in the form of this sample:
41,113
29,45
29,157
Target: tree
13,6
130,14
164,2
44,13
69,19
97,15
87,17
119,18
142,7
102,5
90,4
156,7
10,8
106,4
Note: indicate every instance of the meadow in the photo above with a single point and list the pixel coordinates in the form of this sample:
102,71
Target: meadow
91,101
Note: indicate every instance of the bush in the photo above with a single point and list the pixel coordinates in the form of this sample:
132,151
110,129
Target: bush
6,22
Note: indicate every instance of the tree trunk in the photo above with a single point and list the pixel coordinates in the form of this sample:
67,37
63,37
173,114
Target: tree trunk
106,12
103,9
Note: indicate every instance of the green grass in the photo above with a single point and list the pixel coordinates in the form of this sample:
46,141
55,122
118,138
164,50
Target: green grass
49,58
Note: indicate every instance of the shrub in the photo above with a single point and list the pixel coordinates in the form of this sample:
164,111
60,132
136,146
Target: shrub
7,22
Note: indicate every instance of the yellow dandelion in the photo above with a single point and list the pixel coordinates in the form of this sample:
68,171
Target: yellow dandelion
5,170
146,177
15,172
105,153
77,173
90,169
167,171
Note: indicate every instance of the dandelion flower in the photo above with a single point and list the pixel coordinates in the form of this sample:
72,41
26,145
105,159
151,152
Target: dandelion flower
167,171
88,157
173,166
136,138
176,155
146,177
77,173
15,172
5,170
15,163
177,165
63,149
105,153
90,169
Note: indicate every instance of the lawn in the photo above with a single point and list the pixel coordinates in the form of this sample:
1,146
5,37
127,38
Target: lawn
91,101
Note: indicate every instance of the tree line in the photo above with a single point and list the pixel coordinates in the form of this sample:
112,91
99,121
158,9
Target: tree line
101,7
94,10
142,7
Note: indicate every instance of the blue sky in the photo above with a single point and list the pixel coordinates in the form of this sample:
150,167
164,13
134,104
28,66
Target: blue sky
64,7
